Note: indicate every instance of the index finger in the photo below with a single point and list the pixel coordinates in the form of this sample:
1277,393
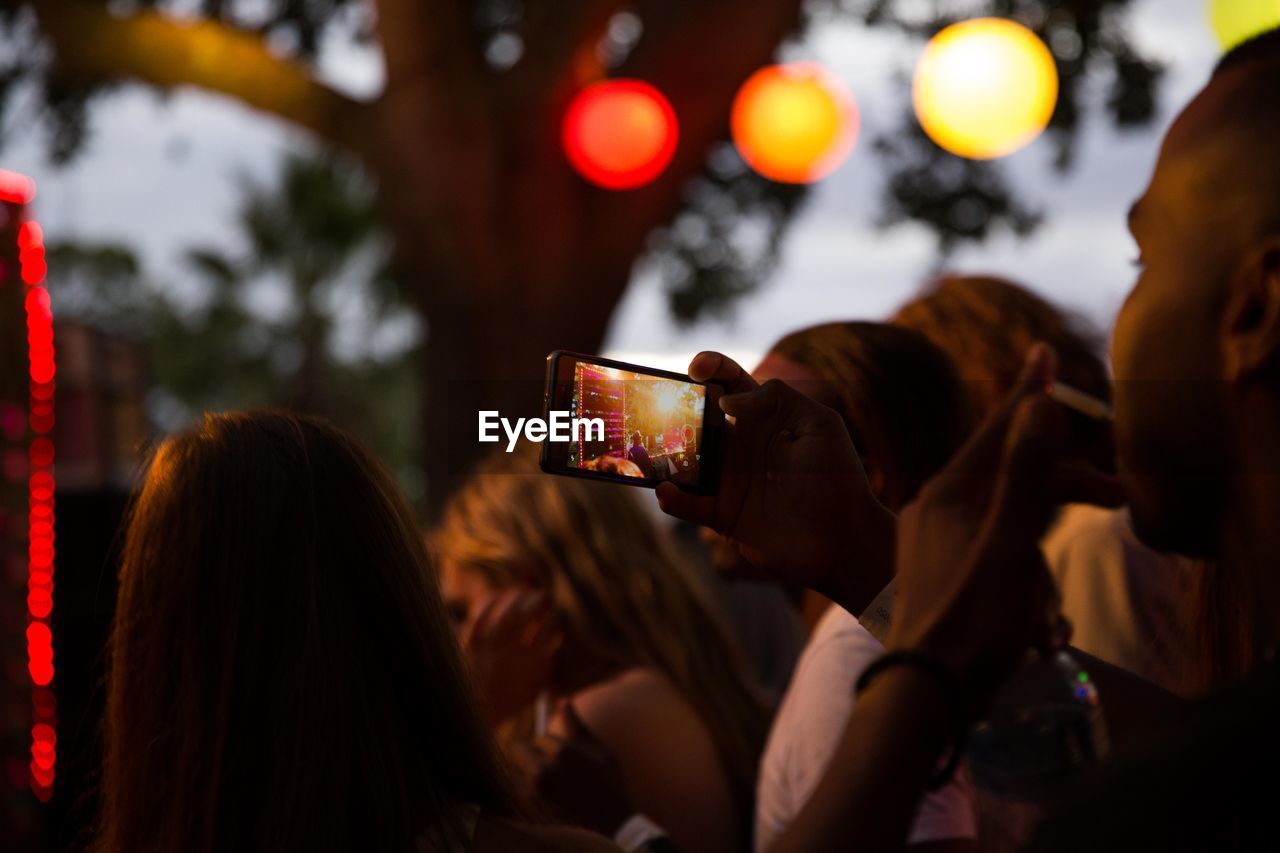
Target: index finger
709,366
984,451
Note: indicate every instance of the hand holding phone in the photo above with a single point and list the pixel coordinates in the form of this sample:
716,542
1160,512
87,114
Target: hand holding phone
793,493
634,425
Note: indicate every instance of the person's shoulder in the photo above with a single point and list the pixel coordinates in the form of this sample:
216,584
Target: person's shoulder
630,690
820,697
839,647
499,835
639,714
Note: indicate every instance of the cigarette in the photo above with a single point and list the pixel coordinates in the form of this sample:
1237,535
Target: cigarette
1081,402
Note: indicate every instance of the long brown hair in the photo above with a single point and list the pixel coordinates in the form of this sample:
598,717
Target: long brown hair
617,584
283,675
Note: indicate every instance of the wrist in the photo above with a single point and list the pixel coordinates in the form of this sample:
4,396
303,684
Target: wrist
925,695
929,696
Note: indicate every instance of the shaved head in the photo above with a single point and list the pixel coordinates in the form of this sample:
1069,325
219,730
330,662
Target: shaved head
1237,118
1212,203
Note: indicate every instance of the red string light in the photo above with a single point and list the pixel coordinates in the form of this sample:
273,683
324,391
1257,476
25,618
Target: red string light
16,188
41,488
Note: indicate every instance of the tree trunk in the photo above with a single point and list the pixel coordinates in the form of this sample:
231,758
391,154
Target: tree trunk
491,355
511,254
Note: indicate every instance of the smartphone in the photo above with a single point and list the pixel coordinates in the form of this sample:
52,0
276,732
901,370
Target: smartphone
631,424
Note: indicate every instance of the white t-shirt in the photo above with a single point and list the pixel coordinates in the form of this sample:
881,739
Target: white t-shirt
1128,605
810,724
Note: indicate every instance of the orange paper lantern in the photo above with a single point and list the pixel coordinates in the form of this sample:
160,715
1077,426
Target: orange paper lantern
794,123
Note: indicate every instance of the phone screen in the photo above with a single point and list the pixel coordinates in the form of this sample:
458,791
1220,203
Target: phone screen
632,424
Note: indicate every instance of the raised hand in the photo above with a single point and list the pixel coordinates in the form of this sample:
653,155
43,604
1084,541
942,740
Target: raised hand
511,644
973,589
793,494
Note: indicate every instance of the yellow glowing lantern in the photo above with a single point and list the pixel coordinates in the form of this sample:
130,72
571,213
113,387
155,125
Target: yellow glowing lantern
794,123
985,88
1237,21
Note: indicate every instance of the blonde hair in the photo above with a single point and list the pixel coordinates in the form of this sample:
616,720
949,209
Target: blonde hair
616,583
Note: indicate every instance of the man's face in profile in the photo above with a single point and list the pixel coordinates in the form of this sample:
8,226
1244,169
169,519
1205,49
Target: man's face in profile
1192,227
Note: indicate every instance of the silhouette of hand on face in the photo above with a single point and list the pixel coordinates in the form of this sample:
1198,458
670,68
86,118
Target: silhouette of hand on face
512,643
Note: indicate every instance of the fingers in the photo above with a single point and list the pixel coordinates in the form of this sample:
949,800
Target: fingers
699,509
758,403
1036,478
1022,499
983,453
719,368
545,635
510,614
1079,482
473,628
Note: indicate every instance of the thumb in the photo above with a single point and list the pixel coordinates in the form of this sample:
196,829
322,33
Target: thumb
985,451
755,404
1023,499
674,501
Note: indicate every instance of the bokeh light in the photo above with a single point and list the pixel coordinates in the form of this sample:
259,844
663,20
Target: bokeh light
16,188
794,123
620,134
985,88
1236,21
35,467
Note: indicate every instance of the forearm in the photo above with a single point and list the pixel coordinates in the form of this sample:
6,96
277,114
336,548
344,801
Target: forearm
872,787
868,566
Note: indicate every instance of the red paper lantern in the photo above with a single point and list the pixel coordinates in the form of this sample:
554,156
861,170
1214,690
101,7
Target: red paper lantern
619,134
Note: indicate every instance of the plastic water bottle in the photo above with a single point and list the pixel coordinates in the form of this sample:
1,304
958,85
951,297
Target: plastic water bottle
1045,725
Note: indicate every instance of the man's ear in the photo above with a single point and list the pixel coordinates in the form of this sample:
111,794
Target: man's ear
1251,335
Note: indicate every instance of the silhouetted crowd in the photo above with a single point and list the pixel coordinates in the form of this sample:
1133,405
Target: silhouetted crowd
928,606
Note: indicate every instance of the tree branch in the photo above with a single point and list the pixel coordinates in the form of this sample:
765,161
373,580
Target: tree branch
92,45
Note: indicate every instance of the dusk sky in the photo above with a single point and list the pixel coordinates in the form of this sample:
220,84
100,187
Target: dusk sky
160,173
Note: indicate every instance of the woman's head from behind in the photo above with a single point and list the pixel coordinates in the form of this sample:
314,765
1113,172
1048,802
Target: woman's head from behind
898,395
283,675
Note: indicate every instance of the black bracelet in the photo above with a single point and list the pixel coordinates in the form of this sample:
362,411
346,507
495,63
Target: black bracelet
950,686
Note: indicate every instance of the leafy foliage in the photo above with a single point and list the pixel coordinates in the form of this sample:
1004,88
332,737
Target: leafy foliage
714,251
263,333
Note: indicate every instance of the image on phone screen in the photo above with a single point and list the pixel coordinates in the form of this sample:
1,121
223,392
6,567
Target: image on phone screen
651,425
